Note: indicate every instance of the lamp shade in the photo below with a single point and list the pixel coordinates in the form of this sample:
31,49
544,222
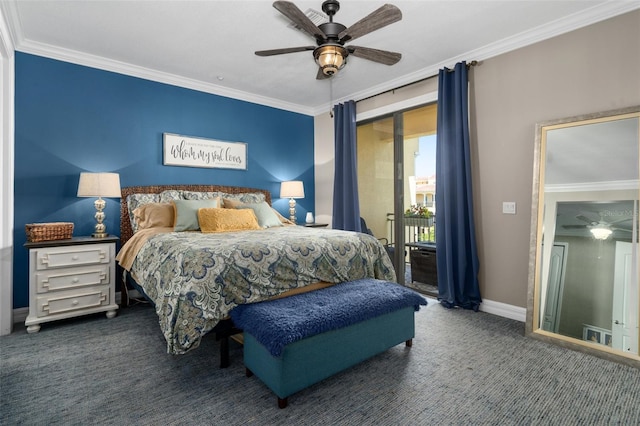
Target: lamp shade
99,185
292,189
330,58
601,232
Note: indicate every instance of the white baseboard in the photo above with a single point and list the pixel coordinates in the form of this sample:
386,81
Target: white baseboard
489,306
20,315
504,310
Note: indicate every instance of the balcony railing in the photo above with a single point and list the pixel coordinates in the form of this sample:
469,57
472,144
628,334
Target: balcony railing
417,229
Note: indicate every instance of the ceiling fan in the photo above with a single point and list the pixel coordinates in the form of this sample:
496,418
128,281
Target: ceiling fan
331,53
600,229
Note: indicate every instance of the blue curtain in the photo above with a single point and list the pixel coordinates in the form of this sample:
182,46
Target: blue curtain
346,206
457,255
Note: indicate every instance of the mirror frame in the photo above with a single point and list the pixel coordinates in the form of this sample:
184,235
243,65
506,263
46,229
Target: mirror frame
531,328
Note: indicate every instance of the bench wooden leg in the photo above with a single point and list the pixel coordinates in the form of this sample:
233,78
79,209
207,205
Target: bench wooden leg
224,330
409,343
224,352
283,402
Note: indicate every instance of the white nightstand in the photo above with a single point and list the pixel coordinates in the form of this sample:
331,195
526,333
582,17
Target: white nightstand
68,278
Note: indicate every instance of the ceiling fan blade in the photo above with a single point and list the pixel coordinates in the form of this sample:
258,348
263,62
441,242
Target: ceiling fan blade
615,228
574,226
283,51
382,56
587,220
615,222
379,18
292,12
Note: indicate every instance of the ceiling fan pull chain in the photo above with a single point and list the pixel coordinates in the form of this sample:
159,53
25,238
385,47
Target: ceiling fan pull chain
331,97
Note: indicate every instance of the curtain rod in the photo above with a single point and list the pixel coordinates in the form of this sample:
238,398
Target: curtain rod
469,65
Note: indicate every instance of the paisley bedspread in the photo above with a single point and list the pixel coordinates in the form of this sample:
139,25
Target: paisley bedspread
196,279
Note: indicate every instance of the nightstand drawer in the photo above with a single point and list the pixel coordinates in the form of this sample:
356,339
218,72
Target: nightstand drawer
51,305
66,279
64,257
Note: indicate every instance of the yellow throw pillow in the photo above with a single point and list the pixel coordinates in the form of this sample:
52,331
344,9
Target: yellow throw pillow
154,215
224,220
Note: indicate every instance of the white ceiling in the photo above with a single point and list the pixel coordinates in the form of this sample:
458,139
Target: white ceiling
592,154
209,45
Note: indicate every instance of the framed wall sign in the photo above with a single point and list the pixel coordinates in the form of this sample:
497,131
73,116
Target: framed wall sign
198,152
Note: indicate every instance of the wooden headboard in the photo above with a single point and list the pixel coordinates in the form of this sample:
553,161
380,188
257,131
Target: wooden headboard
125,224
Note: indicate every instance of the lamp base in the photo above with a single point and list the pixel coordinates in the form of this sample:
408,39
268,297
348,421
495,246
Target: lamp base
100,228
292,210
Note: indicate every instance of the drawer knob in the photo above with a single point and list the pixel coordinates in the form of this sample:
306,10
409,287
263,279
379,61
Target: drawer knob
76,280
75,302
75,257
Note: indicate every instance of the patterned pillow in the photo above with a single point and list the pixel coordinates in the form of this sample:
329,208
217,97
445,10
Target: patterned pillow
138,200
195,195
170,195
246,198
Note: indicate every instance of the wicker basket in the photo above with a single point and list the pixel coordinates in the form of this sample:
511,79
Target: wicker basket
37,232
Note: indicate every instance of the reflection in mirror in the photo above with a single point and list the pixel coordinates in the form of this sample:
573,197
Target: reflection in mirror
584,269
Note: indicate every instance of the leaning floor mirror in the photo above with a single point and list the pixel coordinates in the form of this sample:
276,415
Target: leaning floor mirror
583,266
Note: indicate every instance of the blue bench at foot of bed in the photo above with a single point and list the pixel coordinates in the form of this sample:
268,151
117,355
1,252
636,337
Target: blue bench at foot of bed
294,342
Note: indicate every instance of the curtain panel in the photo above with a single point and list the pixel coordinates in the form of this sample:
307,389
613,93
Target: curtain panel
457,257
346,205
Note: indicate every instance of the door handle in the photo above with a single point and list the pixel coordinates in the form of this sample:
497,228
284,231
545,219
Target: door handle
618,322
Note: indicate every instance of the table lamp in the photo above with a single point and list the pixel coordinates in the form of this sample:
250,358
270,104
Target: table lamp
292,189
99,185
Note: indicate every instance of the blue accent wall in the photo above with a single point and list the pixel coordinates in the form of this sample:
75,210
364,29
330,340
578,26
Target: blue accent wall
70,119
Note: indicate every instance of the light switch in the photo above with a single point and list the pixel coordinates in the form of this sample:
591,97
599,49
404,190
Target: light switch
509,207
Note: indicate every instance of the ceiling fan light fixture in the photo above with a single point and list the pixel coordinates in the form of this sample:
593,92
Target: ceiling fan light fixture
331,58
601,232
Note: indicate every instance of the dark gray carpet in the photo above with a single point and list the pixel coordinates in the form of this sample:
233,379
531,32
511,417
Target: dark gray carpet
464,368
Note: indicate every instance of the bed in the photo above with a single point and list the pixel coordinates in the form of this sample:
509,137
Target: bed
195,278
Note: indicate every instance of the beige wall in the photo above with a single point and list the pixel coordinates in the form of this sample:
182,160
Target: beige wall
592,69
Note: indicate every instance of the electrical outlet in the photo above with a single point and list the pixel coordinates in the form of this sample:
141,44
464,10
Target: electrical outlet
509,207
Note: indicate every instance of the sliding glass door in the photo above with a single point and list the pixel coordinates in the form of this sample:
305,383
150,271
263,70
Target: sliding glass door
396,181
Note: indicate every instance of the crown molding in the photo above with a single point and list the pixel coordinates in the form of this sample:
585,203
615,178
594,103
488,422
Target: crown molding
616,185
581,19
543,32
93,61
